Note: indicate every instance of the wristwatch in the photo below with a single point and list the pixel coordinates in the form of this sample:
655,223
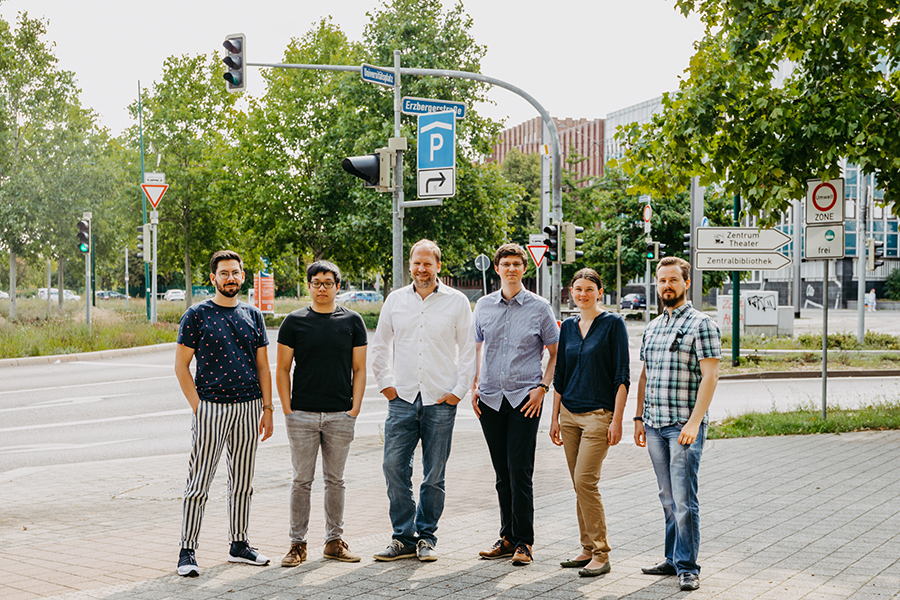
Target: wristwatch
268,407
546,388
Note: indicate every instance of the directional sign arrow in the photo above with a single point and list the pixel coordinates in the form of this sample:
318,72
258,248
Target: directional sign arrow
440,180
729,239
740,261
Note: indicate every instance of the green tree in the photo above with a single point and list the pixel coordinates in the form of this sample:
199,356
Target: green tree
737,124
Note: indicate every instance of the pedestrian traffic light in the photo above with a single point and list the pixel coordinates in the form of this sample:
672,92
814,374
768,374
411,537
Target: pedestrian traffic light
650,253
374,169
660,250
687,245
875,251
84,236
570,242
236,46
143,236
552,243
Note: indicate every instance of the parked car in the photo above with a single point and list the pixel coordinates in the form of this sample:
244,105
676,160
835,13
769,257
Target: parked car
634,301
358,297
109,295
173,295
54,294
3,294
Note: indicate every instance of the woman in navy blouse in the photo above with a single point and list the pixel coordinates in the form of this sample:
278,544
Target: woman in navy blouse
590,389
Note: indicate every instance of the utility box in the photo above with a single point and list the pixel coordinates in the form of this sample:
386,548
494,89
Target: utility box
760,312
786,321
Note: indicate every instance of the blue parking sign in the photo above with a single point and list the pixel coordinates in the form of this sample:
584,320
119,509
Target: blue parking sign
437,140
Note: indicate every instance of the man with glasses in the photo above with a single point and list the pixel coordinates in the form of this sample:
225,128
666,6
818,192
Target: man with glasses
512,327
231,398
423,358
681,350
326,345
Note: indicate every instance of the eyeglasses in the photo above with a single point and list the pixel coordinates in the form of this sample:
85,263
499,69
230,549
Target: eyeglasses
321,284
226,275
676,343
512,265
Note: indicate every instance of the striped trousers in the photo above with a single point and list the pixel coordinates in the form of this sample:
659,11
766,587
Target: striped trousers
216,427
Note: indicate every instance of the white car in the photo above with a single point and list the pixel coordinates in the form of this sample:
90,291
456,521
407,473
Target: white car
3,294
173,295
54,294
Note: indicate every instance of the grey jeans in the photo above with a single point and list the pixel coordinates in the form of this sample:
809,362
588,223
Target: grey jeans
307,431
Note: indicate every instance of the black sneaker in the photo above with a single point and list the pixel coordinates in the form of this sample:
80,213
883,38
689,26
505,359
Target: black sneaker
241,552
187,564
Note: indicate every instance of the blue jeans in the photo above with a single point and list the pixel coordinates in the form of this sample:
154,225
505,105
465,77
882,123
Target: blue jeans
676,467
407,424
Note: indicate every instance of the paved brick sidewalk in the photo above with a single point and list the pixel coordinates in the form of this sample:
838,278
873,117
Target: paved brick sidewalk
782,518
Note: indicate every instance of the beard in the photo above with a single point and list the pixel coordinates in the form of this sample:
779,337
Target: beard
673,300
228,293
425,281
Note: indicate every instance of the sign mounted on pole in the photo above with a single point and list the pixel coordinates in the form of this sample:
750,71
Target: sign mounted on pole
437,155
154,192
410,105
377,75
722,239
824,242
537,252
824,201
740,261
154,178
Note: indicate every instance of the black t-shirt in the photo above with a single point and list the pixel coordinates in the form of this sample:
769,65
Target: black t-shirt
225,340
323,346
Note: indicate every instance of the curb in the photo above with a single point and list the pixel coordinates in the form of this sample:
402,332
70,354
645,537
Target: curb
814,374
55,358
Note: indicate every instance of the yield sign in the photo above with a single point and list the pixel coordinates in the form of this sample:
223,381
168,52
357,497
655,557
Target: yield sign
537,253
154,192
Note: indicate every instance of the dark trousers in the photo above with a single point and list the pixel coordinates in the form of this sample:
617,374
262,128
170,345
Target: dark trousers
511,438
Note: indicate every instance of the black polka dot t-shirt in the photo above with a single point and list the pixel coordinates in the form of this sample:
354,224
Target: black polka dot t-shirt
225,340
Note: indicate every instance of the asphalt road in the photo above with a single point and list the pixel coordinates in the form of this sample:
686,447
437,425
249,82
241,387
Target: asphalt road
131,406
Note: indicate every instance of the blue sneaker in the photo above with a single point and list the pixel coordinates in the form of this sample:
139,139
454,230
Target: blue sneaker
187,564
241,552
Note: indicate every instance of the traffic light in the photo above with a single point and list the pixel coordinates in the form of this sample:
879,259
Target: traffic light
687,245
650,253
374,169
236,45
570,242
875,252
84,236
660,249
143,236
552,243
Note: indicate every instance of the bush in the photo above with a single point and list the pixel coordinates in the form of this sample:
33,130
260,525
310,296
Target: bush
892,285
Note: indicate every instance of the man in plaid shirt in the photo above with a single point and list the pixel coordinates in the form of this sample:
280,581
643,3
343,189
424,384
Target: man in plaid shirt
681,350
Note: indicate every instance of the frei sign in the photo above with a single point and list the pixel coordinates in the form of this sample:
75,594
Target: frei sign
739,249
437,155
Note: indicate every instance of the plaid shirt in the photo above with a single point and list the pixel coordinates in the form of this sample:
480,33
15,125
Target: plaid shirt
672,348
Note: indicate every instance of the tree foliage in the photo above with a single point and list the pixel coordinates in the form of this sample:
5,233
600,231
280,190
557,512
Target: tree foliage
777,93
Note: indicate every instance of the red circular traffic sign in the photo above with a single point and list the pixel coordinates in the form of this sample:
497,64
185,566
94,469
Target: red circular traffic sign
647,213
815,196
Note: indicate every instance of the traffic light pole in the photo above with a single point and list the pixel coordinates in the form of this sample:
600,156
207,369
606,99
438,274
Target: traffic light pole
88,293
555,215
144,203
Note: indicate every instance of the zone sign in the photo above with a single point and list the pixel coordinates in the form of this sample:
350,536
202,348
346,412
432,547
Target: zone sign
824,201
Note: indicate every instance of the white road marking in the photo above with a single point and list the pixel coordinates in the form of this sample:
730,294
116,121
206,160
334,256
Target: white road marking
167,413
77,385
57,447
66,402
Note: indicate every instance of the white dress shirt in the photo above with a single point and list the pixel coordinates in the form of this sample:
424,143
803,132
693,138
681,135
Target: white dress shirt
431,342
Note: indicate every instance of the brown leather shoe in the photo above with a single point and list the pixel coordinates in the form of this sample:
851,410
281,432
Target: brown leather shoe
501,549
295,556
522,555
338,550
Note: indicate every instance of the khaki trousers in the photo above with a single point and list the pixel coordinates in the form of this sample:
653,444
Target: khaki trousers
585,443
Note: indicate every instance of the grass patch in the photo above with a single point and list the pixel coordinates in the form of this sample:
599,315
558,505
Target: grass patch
805,420
873,340
807,361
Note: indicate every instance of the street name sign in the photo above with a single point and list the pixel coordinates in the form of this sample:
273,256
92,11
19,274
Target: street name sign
728,239
154,192
373,74
824,242
740,261
824,201
410,105
154,178
437,155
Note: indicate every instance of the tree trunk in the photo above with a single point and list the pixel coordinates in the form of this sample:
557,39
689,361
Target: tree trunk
60,282
188,280
12,285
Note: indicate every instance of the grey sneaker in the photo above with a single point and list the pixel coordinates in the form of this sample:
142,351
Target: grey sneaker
395,550
689,582
425,551
241,552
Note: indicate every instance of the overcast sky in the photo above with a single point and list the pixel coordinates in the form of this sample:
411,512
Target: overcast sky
579,58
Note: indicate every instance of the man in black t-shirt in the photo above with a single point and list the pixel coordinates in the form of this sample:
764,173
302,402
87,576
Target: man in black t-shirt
326,344
231,398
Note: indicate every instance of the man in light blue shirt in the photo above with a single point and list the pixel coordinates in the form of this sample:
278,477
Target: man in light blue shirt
512,327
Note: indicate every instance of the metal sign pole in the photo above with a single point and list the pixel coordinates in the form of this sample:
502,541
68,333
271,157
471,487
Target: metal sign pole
825,342
647,294
861,233
397,282
154,221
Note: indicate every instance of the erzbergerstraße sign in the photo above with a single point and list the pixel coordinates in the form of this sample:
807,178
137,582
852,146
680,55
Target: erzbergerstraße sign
410,105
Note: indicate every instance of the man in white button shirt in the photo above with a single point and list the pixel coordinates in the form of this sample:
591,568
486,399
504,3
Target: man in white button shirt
423,358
